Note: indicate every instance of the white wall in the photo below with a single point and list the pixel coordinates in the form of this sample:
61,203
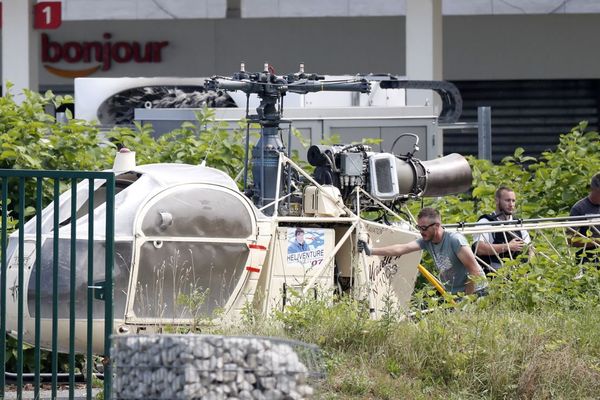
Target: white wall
142,9
74,10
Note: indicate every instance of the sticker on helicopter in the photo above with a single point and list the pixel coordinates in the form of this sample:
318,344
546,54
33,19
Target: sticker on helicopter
306,246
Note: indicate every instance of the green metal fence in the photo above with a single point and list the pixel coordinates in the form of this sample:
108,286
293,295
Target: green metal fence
23,192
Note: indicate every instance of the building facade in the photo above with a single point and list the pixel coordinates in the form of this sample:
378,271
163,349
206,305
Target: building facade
505,54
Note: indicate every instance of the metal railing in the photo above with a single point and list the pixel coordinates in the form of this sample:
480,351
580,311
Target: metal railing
14,203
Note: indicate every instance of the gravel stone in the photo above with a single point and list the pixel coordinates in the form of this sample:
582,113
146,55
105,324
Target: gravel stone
207,367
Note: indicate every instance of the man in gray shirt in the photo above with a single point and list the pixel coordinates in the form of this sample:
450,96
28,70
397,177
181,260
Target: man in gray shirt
589,205
453,257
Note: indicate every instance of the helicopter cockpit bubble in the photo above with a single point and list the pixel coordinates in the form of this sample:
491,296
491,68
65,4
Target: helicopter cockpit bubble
201,254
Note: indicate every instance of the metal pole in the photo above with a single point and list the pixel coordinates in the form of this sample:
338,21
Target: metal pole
484,133
3,281
72,286
90,293
433,280
108,283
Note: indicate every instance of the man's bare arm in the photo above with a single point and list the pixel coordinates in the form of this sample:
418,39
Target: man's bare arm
466,256
490,249
396,249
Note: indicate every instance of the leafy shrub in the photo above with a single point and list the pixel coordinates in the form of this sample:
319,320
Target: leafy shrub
29,359
32,139
547,187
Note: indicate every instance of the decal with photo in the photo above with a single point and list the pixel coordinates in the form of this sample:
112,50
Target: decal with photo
305,246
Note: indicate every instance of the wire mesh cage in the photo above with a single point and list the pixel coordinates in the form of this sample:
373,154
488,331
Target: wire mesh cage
214,367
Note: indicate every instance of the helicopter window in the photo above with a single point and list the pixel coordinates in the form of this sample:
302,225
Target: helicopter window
121,182
121,272
187,279
216,214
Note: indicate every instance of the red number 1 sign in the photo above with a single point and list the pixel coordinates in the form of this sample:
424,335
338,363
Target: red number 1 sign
47,15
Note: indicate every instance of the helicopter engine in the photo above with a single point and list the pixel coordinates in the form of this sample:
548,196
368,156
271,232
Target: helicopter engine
385,176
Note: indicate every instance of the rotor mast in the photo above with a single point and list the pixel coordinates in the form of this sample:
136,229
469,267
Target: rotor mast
270,89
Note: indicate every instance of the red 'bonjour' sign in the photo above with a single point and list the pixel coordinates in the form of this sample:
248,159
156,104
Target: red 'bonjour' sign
104,52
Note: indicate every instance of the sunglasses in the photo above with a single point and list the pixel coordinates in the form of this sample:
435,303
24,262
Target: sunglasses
423,228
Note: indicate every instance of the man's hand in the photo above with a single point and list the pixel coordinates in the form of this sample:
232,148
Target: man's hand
363,246
516,244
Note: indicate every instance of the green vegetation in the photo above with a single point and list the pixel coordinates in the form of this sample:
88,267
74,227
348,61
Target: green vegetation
536,336
472,353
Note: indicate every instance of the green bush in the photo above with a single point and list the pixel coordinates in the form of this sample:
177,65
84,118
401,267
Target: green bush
32,139
535,336
545,187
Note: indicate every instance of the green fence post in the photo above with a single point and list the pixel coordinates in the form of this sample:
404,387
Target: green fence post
20,284
108,288
56,227
38,280
90,291
3,286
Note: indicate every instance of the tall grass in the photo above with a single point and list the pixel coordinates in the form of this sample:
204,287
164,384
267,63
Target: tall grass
473,352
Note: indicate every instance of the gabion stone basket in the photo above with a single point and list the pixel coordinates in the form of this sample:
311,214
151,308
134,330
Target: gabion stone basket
211,367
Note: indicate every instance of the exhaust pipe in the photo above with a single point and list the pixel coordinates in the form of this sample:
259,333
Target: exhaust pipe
392,176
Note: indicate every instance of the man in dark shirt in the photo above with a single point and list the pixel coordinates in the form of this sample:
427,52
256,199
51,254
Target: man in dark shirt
493,247
589,249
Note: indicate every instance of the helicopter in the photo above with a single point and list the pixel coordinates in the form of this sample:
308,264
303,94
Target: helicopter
189,231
